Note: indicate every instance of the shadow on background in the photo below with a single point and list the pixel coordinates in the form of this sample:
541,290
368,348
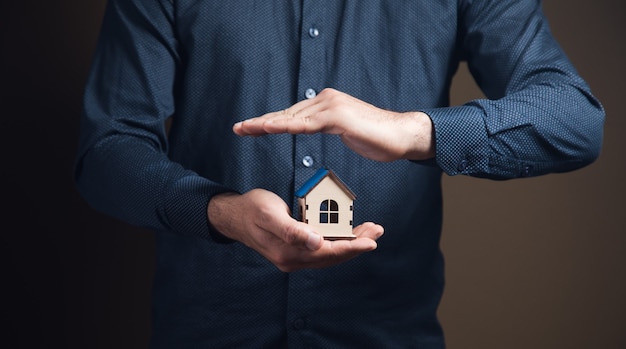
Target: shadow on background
534,263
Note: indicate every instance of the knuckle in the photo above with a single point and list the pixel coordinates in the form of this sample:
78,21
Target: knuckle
308,123
328,91
290,235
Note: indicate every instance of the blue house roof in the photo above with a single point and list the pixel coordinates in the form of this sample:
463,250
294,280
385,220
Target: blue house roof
317,177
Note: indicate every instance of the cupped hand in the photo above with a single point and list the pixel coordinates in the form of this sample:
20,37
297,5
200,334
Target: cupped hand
261,220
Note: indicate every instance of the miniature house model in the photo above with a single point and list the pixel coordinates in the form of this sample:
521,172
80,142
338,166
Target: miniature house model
326,204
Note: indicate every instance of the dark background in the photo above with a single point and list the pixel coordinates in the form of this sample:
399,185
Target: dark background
532,263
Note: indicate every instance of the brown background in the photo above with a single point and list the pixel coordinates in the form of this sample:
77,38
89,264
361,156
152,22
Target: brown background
532,263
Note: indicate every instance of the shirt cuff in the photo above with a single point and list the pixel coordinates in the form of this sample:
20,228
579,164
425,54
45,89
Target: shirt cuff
186,208
460,139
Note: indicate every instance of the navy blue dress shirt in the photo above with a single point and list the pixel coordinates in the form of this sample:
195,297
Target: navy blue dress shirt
206,64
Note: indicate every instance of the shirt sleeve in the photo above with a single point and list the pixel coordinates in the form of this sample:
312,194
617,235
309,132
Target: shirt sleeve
122,167
539,116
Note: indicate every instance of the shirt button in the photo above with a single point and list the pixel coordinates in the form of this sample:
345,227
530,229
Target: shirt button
310,93
307,161
462,166
527,171
314,32
299,324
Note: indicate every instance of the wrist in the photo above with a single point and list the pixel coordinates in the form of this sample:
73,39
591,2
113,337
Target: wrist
420,138
220,212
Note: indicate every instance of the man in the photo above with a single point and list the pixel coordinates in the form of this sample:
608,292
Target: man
360,87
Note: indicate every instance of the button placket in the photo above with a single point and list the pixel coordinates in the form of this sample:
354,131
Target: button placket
308,150
310,81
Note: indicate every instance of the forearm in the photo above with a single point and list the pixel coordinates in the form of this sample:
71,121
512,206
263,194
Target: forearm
540,115
539,130
125,178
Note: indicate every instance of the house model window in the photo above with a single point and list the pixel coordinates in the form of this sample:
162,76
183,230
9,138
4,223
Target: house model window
329,208
326,204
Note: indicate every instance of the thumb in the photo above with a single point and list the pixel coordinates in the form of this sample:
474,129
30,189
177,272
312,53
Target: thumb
276,219
300,234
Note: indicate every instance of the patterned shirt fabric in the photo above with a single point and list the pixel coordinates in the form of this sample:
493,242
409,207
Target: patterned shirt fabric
206,64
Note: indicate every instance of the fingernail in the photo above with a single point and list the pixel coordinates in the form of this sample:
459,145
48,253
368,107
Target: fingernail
238,124
313,242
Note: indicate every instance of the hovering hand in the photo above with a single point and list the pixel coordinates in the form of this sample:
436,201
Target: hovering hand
369,131
260,219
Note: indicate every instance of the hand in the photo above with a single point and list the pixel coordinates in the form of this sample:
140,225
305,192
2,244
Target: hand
371,132
260,219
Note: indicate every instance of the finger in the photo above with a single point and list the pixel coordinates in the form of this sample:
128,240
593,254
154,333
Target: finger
250,127
254,126
272,219
338,251
330,253
299,107
310,118
305,121
369,230
305,117
308,122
